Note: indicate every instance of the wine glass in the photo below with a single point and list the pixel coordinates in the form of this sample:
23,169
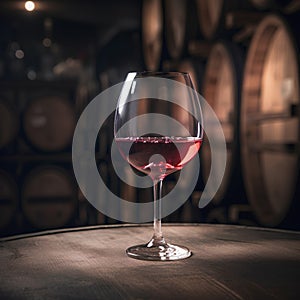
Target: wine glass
158,130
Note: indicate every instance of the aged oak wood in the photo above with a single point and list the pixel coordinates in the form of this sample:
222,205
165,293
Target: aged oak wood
222,90
49,197
228,262
270,132
209,14
152,33
175,26
49,123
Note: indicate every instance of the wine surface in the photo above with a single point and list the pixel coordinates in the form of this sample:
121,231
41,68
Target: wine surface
161,154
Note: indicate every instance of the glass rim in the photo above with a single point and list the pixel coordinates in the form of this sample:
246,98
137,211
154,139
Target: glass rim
158,73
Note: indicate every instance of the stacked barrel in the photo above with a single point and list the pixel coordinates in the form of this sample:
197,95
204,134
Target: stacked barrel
243,58
38,190
270,123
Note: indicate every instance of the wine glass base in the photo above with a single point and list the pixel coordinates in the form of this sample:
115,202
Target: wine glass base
158,251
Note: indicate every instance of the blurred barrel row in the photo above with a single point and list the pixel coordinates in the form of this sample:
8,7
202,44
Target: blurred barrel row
38,189
244,60
243,57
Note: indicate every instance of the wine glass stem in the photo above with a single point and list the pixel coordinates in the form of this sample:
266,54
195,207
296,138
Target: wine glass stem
157,189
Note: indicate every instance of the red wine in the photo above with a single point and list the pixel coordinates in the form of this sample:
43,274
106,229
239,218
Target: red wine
165,155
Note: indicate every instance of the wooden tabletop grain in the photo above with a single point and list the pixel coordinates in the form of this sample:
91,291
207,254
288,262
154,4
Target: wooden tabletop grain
228,262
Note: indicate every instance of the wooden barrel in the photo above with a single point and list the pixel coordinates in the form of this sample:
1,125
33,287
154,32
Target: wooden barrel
49,197
228,262
152,33
222,91
175,27
270,123
8,199
209,16
9,124
219,18
49,123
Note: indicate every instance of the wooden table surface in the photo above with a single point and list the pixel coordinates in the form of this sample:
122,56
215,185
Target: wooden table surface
228,262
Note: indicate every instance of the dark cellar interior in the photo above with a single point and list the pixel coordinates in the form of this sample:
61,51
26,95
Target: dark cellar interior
55,59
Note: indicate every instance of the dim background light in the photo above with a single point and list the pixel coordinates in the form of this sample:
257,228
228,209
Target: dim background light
29,5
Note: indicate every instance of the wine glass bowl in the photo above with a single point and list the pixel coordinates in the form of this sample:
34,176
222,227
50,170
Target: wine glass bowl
158,130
